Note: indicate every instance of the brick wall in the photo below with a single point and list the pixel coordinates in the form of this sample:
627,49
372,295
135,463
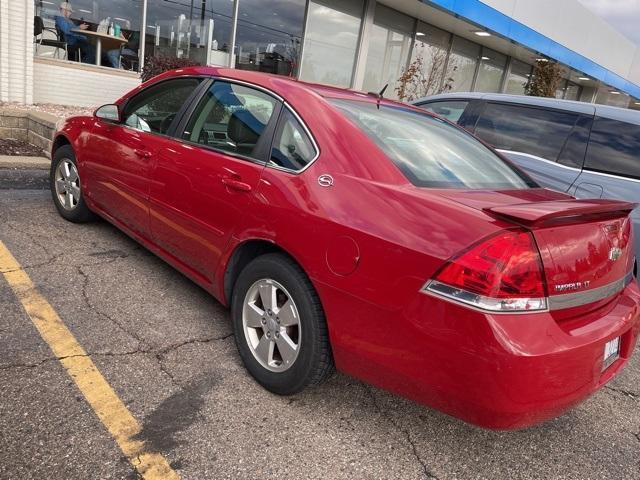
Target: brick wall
16,51
70,83
31,126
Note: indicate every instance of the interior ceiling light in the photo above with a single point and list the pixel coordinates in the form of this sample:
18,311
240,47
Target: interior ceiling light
584,78
482,33
542,59
485,58
614,93
419,34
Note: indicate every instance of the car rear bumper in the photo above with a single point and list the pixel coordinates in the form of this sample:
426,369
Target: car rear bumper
500,371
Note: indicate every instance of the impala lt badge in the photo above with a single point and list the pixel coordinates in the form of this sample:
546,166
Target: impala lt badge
615,253
567,287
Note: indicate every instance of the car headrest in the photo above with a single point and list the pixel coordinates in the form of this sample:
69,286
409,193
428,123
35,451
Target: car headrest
244,127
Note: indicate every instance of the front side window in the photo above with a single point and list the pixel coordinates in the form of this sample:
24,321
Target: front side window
614,147
431,152
535,131
231,117
154,109
452,111
292,148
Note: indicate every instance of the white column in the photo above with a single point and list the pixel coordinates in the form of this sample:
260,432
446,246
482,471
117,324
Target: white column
363,45
16,51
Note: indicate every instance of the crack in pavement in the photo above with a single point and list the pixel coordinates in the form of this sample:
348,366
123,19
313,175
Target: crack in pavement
428,474
161,354
32,237
46,263
156,353
622,391
93,308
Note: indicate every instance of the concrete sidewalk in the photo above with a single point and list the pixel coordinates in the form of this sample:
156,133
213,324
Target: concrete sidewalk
16,162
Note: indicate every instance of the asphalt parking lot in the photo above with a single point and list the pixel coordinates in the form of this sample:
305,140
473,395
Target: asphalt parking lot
166,349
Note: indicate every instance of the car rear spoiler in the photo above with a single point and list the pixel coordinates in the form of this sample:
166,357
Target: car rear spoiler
560,211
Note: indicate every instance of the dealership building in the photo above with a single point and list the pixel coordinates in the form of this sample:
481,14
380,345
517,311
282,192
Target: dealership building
458,45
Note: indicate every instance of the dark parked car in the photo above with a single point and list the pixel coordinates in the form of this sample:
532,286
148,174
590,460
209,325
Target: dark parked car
585,150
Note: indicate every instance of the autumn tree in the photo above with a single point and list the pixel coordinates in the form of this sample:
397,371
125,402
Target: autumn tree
545,80
422,77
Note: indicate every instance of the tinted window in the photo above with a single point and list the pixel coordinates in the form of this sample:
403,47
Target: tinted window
531,130
431,152
292,148
452,111
154,109
230,117
576,147
614,148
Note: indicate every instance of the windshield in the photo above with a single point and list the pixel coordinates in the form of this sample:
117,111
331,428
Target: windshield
429,151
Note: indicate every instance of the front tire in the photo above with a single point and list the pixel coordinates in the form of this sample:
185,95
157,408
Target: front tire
279,326
66,187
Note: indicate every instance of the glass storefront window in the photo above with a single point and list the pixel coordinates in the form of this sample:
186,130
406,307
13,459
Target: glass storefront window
461,67
562,87
610,96
491,71
331,41
389,47
124,15
430,50
194,29
269,35
573,91
519,74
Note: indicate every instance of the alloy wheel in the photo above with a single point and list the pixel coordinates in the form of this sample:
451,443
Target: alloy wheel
67,184
271,325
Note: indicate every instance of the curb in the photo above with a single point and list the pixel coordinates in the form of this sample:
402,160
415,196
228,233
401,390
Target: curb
10,162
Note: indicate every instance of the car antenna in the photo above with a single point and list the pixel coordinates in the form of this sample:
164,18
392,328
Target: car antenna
379,95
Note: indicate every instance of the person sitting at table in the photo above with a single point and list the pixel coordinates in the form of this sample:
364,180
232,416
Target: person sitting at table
74,39
130,48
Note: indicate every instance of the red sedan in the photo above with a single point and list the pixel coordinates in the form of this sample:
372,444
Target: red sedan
347,230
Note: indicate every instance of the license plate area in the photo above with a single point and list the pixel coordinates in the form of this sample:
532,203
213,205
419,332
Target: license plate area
611,352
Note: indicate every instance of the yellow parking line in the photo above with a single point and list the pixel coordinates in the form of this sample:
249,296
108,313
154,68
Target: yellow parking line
98,393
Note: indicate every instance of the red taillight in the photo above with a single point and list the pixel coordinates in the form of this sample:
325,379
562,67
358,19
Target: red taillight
503,273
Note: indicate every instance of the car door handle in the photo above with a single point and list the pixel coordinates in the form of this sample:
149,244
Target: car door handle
236,184
142,153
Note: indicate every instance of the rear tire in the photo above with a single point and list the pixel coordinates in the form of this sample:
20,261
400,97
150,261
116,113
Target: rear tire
279,325
66,188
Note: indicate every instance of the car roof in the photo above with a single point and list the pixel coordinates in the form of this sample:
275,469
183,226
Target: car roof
278,84
606,111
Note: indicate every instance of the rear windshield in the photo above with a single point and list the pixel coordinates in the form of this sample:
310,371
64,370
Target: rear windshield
429,151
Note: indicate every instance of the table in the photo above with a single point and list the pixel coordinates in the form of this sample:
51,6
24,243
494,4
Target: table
110,41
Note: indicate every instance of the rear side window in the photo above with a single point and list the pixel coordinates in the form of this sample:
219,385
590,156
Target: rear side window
452,110
292,148
614,148
431,152
536,131
231,117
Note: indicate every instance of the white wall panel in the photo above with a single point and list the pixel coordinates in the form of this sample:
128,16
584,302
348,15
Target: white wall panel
574,26
69,84
16,51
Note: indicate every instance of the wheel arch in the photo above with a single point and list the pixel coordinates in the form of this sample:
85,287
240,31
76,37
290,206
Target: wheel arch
243,254
59,141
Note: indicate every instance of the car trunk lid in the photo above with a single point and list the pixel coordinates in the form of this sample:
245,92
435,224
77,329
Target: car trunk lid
585,245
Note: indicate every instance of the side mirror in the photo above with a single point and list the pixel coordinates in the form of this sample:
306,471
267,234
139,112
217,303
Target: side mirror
109,113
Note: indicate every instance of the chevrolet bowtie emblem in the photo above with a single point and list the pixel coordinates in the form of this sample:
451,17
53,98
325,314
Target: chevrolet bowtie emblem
615,253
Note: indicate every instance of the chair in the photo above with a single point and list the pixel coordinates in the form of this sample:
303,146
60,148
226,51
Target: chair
39,30
127,61
71,50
